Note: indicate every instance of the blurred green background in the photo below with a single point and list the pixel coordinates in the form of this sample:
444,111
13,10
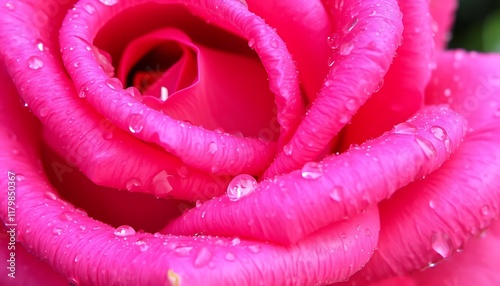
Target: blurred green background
477,26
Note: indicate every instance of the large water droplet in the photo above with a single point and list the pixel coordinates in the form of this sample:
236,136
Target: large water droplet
212,148
347,28
439,133
109,2
133,184
83,92
114,83
203,258
439,243
124,231
311,171
405,128
346,49
135,123
426,146
35,62
230,256
89,8
133,91
183,250
161,184
336,193
254,248
240,186
235,241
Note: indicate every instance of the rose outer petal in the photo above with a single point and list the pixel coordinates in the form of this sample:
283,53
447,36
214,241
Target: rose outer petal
402,90
336,188
443,14
367,35
439,214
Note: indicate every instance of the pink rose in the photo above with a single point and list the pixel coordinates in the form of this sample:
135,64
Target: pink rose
222,142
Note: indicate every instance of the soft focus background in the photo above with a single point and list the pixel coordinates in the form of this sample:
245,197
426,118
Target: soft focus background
477,26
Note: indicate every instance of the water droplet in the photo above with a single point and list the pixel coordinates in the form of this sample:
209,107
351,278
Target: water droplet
57,230
311,171
251,43
72,282
240,186
212,148
235,241
40,46
124,231
78,257
346,49
336,193
89,8
485,210
114,83
439,243
109,2
161,184
426,146
143,245
183,250
203,258
439,133
351,105
135,123
333,41
51,195
288,149
254,248
368,232
230,256
76,64
447,145
35,62
347,28
133,91
83,91
432,204
405,128
372,13
274,43
66,216
133,184
10,6
447,92
44,111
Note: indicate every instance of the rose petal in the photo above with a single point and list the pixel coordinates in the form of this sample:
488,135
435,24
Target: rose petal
443,14
402,92
365,41
304,26
463,196
336,188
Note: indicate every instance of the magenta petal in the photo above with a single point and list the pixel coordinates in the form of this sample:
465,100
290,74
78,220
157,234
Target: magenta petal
442,212
366,42
325,192
402,90
443,14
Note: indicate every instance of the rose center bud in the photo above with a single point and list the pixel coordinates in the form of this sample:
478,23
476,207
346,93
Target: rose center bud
191,69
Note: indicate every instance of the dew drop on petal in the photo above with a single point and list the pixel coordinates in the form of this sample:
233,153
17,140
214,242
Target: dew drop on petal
10,6
274,43
439,243
183,250
439,133
78,257
66,216
89,8
346,48
485,210
161,184
133,184
251,43
312,171
83,91
333,41
72,282
336,193
135,123
240,186
254,248
235,241
288,149
44,111
51,195
426,146
35,62
124,231
114,83
347,28
203,258
230,256
212,148
351,104
57,230
405,128
133,91
40,46
109,2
